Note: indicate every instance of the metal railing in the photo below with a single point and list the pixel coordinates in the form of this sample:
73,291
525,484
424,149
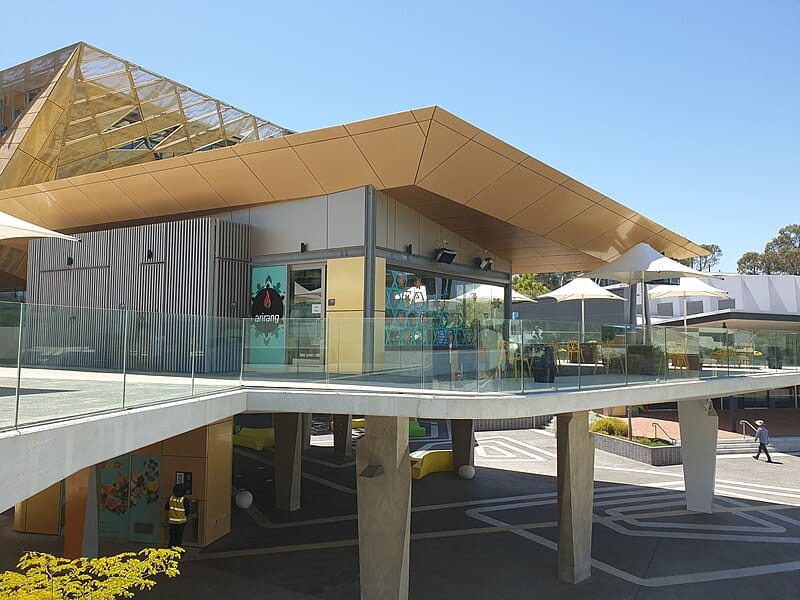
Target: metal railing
744,422
657,426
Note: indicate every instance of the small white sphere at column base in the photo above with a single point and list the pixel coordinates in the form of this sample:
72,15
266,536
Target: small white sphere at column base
466,471
244,499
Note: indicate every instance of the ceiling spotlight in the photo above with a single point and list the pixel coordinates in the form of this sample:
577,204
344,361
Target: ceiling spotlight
443,255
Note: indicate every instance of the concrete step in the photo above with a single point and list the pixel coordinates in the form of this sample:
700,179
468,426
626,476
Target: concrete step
737,446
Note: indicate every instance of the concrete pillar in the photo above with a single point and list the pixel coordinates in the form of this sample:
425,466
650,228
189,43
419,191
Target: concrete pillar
81,518
575,496
462,432
307,420
699,423
384,508
342,435
288,446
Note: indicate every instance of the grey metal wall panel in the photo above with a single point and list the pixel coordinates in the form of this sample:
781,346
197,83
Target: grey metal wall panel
166,279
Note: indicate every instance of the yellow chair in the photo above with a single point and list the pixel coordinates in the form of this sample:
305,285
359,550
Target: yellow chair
611,356
557,350
520,362
680,361
574,350
432,461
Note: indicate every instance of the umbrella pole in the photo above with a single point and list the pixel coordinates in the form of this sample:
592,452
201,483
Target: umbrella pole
583,321
685,330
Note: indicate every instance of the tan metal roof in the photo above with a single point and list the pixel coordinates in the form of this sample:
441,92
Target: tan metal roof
476,185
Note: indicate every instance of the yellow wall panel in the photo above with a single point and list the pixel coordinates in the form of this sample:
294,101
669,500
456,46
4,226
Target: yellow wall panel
345,341
345,285
380,285
196,466
191,443
40,513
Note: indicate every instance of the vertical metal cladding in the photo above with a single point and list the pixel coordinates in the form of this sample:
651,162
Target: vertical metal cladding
179,285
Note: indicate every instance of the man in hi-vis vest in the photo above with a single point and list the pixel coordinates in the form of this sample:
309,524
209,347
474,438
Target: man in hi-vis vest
178,508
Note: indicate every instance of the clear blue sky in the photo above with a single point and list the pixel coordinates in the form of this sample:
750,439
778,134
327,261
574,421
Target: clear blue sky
688,112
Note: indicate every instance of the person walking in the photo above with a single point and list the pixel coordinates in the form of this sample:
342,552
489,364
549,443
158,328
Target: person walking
178,508
762,437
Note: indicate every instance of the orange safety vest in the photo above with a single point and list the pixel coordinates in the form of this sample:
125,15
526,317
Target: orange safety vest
177,513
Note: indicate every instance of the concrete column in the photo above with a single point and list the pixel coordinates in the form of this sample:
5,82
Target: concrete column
288,446
342,435
575,496
384,508
462,432
699,423
81,518
307,431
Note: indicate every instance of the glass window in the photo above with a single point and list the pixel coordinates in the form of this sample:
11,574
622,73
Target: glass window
694,306
424,308
664,309
725,303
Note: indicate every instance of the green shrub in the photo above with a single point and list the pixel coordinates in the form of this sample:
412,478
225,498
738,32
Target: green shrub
610,426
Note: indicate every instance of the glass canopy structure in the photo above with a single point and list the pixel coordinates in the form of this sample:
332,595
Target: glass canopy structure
81,110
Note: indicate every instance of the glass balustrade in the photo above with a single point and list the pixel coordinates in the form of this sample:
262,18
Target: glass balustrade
58,362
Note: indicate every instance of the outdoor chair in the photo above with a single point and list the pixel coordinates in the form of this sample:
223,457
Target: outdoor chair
574,350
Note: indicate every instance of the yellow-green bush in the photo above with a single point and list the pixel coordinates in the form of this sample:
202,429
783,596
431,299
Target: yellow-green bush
610,426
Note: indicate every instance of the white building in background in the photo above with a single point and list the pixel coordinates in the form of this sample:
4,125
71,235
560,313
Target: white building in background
756,302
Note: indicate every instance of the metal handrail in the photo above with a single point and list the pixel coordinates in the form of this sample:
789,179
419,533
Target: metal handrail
672,440
744,422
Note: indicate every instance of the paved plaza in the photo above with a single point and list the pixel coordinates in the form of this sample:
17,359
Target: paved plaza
495,536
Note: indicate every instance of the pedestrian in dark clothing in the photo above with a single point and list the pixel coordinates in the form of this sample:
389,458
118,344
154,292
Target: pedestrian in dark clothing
178,508
762,437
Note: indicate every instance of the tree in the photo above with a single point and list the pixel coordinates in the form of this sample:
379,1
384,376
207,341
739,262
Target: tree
527,284
705,263
781,255
46,577
750,263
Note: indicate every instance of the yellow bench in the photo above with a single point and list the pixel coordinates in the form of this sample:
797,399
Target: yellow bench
356,424
257,439
432,461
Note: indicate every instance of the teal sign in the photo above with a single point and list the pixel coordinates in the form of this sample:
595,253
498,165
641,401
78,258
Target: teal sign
268,314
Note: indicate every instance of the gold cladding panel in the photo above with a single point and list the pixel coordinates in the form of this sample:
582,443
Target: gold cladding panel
117,204
148,195
194,192
387,121
541,168
513,192
79,207
15,170
15,209
49,213
453,122
471,169
440,144
499,146
337,164
423,114
283,173
41,128
233,181
394,153
585,226
583,190
317,135
550,211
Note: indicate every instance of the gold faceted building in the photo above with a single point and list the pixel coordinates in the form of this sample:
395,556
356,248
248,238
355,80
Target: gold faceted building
81,110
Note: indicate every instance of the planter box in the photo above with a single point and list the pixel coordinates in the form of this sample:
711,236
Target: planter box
658,456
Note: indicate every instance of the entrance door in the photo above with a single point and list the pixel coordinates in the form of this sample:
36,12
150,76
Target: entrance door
306,325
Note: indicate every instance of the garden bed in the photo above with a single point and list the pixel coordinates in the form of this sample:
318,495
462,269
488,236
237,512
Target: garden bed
658,456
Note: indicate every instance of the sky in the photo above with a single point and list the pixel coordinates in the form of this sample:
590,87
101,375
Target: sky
687,112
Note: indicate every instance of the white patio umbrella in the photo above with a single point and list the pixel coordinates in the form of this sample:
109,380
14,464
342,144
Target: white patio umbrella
12,227
641,264
689,287
581,288
490,292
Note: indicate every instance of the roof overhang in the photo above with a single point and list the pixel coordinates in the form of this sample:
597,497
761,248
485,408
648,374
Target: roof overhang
470,182
741,320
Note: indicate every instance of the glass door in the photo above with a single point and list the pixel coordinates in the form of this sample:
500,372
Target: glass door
306,325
